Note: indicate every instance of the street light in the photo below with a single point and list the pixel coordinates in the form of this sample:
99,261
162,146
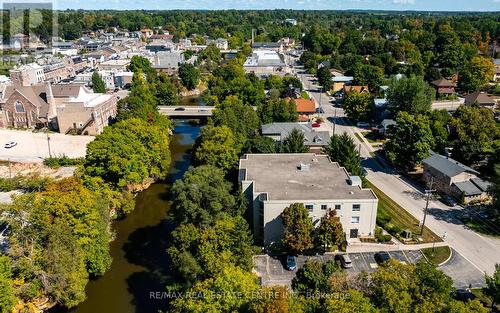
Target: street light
48,145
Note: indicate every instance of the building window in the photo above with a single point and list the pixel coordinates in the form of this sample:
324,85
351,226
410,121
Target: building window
323,207
309,207
356,207
19,107
338,207
355,219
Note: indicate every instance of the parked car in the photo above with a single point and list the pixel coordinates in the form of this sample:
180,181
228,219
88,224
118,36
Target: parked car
464,295
382,257
10,144
180,109
291,263
363,124
315,125
345,260
320,110
449,201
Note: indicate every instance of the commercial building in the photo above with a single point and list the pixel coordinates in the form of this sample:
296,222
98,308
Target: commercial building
272,182
266,62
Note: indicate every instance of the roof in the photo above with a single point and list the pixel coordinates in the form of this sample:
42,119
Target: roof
388,122
311,137
360,89
280,176
264,58
445,90
468,188
482,184
305,105
342,79
443,83
479,97
447,166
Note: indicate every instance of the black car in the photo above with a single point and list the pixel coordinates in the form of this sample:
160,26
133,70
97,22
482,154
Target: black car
464,295
382,257
180,109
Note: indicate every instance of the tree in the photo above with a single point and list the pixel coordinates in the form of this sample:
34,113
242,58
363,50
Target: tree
272,300
409,141
129,152
211,53
475,74
259,144
201,196
439,120
277,111
493,286
368,75
358,106
475,132
166,92
98,85
494,209
324,78
353,301
294,142
217,146
7,297
410,94
141,64
189,75
241,119
343,150
330,232
298,227
313,277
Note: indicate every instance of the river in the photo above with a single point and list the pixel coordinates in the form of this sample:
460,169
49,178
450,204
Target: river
140,264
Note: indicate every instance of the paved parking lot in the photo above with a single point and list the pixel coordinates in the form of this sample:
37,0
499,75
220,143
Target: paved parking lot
33,147
271,270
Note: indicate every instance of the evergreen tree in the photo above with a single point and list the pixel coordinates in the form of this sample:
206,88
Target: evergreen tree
343,150
294,142
98,85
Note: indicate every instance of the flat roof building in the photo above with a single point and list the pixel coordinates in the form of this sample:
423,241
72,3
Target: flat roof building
272,182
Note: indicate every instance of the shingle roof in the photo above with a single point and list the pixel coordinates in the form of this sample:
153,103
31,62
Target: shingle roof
479,97
306,106
481,183
311,137
443,83
468,188
447,166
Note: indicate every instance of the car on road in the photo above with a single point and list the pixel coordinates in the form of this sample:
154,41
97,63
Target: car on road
344,260
180,109
202,110
291,263
10,144
382,257
449,201
363,124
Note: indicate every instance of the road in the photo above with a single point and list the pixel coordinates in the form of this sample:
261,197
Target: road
482,251
34,147
188,111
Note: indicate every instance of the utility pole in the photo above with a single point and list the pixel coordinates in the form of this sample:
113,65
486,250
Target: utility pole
428,192
48,145
334,121
10,169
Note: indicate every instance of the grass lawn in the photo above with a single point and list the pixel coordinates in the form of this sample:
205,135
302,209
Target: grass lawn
399,217
372,137
437,255
304,95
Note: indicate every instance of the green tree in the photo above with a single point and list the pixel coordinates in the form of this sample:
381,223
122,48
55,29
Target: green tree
201,196
475,132
324,78
409,141
343,150
129,152
189,75
277,111
166,92
298,228
7,297
493,286
313,277
141,64
368,75
358,106
241,119
211,53
98,85
260,144
217,146
410,94
330,233
294,142
439,120
354,301
476,74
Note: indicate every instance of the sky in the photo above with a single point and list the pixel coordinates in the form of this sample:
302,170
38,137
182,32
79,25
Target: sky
399,5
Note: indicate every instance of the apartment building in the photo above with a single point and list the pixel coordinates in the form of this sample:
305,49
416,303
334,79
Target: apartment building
272,182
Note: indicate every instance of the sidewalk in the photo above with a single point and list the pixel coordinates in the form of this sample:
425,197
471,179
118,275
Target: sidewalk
375,247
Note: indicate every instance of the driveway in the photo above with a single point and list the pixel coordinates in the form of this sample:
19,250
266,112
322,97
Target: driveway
482,251
272,272
34,147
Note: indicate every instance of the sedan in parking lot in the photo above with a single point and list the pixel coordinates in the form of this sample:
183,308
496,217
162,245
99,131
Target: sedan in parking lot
382,257
344,260
10,144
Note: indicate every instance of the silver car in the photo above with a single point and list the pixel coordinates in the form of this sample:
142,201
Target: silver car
345,260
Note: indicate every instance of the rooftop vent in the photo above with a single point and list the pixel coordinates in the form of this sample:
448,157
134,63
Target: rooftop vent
303,167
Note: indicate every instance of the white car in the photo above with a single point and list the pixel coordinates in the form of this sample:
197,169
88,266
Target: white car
363,124
9,145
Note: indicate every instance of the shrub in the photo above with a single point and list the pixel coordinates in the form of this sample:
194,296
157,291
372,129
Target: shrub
56,162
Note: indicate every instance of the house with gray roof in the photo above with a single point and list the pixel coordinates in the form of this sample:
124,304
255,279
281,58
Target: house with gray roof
455,179
313,139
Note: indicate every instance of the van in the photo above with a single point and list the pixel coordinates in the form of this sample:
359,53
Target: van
345,260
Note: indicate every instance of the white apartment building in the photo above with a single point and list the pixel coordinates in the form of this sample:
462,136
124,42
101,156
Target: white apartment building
272,182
